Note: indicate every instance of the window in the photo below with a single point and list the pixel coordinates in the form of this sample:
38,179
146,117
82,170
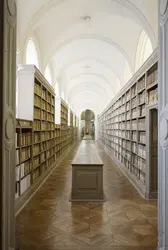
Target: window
31,54
48,74
144,50
56,89
17,62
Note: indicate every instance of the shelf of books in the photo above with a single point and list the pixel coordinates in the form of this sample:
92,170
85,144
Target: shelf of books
71,118
74,126
57,141
35,148
123,124
70,128
66,132
23,141
39,141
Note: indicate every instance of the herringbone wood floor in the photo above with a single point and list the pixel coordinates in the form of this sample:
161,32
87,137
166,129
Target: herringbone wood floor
124,222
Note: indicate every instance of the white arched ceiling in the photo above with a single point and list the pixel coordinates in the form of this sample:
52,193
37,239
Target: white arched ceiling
89,78
88,100
99,53
92,88
89,65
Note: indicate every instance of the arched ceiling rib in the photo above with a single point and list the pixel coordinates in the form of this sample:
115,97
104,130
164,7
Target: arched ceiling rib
94,39
81,63
137,8
90,48
100,94
92,88
83,98
95,52
88,77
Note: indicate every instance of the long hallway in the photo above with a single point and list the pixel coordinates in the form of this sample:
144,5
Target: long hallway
124,222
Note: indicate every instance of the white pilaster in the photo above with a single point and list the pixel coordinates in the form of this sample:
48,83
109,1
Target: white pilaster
163,126
8,89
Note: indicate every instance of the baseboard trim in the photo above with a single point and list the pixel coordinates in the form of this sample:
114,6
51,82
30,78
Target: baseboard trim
141,190
22,201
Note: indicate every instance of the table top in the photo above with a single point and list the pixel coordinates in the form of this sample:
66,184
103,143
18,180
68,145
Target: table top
87,154
87,137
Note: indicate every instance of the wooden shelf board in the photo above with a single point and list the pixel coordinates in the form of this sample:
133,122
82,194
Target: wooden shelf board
141,90
24,160
25,176
141,157
151,86
36,155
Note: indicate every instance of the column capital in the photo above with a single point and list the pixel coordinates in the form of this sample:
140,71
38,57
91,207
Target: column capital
11,7
163,6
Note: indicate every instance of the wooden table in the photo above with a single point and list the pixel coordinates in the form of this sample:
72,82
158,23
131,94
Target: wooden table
87,137
87,174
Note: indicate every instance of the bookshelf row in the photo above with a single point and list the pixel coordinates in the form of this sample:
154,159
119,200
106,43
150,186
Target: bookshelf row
36,153
40,142
123,124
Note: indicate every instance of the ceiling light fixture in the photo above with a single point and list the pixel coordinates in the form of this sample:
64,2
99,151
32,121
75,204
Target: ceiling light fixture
86,18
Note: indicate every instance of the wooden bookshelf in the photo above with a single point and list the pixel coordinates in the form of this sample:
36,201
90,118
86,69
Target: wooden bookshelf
44,128
71,118
35,127
124,125
23,170
74,126
39,141
66,132
57,141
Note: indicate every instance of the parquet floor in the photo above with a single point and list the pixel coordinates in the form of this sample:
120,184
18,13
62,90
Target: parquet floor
124,222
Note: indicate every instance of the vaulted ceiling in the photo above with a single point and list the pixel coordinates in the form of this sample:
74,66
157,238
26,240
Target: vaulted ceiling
89,45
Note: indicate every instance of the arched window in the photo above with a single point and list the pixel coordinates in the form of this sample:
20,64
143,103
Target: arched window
31,54
48,74
144,50
56,89
17,62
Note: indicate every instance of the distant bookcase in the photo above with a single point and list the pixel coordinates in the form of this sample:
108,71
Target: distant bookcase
66,132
